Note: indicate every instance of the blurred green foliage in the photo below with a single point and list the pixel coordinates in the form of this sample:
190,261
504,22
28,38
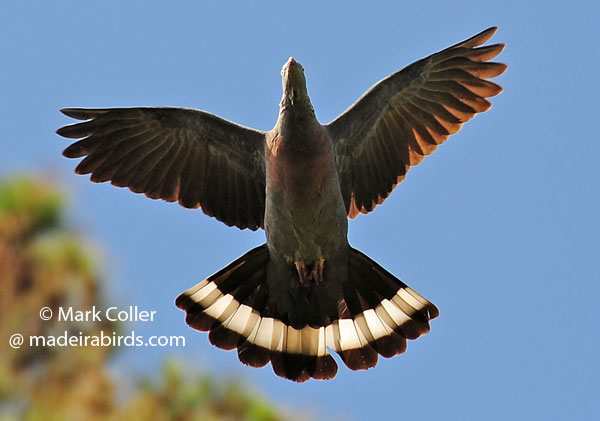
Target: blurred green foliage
33,204
43,262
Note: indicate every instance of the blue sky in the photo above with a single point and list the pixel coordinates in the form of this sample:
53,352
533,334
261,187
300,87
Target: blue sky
499,228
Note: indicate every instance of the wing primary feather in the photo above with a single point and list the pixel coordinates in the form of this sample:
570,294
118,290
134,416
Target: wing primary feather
484,53
470,98
478,39
485,88
90,163
482,70
451,74
99,127
81,148
453,88
84,113
448,100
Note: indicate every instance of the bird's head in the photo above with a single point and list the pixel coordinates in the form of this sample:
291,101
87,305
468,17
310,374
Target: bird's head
294,84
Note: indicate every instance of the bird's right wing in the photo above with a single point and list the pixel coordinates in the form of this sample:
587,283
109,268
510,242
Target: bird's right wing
174,154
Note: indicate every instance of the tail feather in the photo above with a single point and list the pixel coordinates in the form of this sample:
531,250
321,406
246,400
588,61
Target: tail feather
377,313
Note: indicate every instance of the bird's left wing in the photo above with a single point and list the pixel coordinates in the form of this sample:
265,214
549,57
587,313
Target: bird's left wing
174,154
407,115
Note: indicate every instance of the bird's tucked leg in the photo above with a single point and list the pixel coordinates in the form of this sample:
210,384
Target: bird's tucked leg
314,273
317,270
302,272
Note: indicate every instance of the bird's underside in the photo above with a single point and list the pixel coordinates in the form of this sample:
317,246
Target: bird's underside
305,292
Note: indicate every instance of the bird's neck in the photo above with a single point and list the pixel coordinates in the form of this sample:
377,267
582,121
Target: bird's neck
297,122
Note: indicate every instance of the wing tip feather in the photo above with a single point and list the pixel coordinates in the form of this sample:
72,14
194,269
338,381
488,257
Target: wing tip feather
83,113
477,39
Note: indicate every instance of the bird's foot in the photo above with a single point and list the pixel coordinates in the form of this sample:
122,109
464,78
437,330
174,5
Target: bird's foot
302,272
315,273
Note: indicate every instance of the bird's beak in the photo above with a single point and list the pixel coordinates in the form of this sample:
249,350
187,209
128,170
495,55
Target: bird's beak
294,83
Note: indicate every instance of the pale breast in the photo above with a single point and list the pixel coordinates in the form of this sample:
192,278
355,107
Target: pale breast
305,215
300,171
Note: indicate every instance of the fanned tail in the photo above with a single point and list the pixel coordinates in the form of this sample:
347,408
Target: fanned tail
376,315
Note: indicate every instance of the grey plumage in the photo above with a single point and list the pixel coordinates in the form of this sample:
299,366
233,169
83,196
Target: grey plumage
306,290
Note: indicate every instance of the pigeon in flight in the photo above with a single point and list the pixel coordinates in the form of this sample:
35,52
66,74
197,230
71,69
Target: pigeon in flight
306,291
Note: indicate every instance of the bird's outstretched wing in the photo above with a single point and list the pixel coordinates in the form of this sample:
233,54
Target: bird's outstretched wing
174,154
405,116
